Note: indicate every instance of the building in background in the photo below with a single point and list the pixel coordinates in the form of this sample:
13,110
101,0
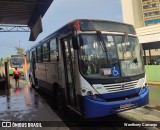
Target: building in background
151,12
144,15
132,12
141,12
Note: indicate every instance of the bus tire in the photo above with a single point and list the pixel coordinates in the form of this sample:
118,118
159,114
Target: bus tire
59,98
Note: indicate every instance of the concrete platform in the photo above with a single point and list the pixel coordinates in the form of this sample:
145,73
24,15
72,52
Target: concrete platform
23,103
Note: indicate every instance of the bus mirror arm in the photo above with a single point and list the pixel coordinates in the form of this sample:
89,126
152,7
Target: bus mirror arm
75,43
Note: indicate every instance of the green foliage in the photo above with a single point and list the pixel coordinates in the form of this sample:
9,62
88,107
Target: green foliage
1,61
6,59
19,50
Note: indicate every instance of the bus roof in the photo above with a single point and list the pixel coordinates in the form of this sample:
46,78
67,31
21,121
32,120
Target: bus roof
16,56
77,22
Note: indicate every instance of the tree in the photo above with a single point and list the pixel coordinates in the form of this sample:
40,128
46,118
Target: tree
6,59
19,50
1,61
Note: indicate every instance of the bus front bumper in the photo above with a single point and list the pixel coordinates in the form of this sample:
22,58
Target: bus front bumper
92,108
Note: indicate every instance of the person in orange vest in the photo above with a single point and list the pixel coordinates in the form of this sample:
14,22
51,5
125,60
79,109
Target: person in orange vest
16,76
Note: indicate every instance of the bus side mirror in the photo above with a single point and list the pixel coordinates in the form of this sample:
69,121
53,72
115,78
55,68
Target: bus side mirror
75,43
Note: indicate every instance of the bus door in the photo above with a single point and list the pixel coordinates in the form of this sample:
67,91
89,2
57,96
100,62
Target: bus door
68,56
34,65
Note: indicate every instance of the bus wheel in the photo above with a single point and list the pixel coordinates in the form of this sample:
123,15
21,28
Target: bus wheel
59,99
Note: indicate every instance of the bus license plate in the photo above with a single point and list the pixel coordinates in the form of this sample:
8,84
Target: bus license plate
124,106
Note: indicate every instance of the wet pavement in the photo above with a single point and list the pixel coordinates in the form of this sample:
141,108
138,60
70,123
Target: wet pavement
25,104
149,113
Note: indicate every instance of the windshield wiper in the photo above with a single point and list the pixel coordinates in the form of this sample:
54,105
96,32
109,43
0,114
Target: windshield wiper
102,43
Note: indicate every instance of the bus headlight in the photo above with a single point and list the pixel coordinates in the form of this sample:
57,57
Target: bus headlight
89,93
83,90
95,96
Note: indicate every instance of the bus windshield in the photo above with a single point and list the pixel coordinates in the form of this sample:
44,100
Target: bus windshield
16,62
110,56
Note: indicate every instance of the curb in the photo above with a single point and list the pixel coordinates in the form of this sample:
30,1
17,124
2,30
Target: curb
153,83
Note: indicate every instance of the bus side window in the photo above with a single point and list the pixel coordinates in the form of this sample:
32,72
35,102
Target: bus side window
39,56
45,52
53,50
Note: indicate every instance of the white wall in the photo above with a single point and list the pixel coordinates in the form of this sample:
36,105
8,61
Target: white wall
149,33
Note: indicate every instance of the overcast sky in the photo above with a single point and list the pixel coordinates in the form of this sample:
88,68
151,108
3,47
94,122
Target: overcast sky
60,13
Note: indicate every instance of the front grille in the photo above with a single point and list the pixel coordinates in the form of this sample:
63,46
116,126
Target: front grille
120,86
122,98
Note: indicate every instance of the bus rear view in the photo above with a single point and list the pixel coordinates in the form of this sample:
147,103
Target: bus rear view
15,62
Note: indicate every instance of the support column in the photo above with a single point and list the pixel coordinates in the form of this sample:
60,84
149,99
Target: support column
7,75
150,57
144,57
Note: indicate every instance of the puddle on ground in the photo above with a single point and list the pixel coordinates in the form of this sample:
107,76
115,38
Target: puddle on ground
18,101
153,107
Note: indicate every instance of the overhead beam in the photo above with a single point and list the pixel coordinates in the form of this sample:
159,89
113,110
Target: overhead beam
13,28
35,22
22,2
23,12
151,45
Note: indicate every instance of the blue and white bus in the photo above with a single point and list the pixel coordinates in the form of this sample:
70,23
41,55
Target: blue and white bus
94,67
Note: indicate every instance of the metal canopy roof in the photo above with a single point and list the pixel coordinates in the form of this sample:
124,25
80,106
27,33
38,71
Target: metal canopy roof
151,45
24,12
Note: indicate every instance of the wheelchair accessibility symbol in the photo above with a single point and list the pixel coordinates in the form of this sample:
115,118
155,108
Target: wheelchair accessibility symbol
115,71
